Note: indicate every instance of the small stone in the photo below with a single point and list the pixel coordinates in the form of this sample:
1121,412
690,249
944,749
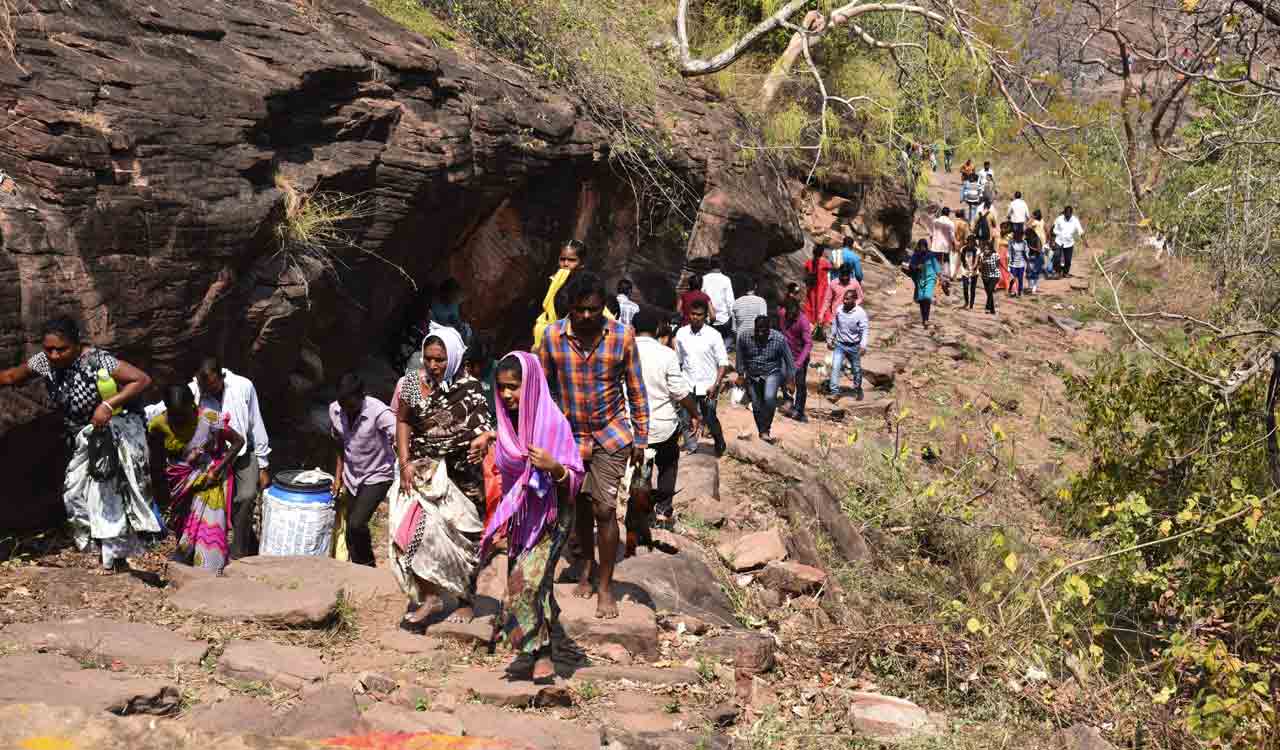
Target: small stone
290,667
692,625
723,715
750,651
769,598
885,717
372,682
754,550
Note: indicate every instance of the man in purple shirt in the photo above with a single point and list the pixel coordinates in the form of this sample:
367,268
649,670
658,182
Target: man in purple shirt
364,429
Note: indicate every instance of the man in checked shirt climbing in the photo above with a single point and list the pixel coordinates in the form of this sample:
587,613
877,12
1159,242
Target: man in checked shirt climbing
593,371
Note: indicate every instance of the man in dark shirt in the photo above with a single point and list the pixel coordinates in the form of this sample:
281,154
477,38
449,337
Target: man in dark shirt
764,363
695,293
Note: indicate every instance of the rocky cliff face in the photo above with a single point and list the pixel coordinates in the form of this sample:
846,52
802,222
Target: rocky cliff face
144,140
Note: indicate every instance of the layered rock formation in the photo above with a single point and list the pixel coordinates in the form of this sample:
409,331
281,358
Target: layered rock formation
144,142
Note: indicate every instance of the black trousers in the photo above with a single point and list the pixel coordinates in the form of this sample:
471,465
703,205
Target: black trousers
802,389
667,461
360,509
925,304
970,290
989,285
1066,258
707,406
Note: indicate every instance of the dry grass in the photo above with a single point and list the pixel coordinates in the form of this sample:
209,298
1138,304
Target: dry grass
9,31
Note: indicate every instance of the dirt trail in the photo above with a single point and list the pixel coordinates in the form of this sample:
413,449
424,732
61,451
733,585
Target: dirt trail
702,653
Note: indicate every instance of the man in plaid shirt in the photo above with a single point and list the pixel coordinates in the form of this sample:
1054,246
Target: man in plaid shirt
764,364
593,371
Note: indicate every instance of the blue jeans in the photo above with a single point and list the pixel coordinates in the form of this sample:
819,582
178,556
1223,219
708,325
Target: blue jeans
839,354
1017,274
764,400
710,419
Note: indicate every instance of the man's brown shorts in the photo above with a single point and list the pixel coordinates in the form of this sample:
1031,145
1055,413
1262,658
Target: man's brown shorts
604,477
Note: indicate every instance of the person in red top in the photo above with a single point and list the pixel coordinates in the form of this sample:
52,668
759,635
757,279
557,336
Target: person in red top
815,272
835,293
695,293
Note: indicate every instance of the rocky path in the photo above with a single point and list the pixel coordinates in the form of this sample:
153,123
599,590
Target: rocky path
707,645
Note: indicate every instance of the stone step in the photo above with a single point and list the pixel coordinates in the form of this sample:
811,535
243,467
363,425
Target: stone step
104,642
61,681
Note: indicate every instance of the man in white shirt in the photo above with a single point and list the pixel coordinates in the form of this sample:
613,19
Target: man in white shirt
1066,230
703,360
719,288
942,238
626,308
234,397
987,181
666,386
1018,212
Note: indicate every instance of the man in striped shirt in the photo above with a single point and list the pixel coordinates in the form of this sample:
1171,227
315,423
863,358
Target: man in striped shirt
593,371
745,311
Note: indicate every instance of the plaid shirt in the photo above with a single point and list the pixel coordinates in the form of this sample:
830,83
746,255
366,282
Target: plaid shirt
762,361
589,387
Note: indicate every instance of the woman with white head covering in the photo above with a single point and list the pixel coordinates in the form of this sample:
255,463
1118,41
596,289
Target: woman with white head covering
437,520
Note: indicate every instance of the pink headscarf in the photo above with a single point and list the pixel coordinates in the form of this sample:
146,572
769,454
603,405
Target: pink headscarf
529,504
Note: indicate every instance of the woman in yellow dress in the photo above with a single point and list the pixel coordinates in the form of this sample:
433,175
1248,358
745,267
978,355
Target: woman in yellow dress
193,481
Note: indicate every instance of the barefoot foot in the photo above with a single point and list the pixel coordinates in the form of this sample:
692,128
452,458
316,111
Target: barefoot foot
606,607
418,618
544,671
463,614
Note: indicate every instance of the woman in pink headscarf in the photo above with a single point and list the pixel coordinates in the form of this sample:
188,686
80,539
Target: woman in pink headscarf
541,470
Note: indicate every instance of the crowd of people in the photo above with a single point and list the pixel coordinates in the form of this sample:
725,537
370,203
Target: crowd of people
528,454
1008,252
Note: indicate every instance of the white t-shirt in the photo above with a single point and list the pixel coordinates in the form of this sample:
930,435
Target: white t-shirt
719,288
1018,211
701,355
1067,231
664,385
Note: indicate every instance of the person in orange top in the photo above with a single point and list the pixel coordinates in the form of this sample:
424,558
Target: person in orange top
816,271
835,293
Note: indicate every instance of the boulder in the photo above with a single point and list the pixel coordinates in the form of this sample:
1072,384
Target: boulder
699,476
297,591
384,717
768,458
705,509
681,583
753,550
635,628
134,644
791,577
327,712
60,681
879,371
478,169
752,652
884,717
812,500
238,714
288,667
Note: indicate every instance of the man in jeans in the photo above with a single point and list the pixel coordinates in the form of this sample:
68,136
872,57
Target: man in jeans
703,360
364,429
850,332
764,364
234,397
593,373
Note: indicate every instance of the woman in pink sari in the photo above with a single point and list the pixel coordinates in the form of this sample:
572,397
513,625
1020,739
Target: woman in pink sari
193,482
541,471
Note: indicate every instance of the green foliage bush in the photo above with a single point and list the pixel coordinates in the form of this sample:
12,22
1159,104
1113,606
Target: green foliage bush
1179,497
